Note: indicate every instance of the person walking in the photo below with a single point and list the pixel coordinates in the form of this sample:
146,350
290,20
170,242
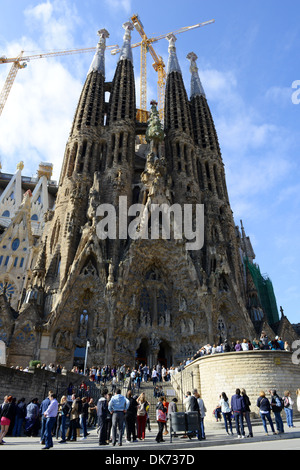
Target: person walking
264,410
51,415
161,418
277,406
238,408
247,412
288,408
226,412
74,418
6,415
117,407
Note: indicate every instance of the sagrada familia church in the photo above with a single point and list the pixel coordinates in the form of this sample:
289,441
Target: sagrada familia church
62,287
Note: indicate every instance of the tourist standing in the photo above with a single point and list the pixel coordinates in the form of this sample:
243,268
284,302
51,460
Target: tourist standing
20,416
238,408
276,406
84,417
43,407
202,413
64,412
161,418
288,408
131,418
264,410
141,416
102,412
51,415
226,412
117,407
247,412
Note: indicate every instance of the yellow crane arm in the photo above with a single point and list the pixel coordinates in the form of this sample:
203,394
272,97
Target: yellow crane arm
19,62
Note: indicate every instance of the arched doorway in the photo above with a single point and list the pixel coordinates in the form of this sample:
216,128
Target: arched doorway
142,353
164,356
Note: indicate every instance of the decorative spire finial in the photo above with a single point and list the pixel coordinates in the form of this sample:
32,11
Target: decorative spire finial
98,63
173,64
196,85
126,52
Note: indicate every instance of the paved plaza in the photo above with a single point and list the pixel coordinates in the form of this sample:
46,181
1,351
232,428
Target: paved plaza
216,439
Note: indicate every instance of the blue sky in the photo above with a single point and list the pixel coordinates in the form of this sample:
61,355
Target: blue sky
248,60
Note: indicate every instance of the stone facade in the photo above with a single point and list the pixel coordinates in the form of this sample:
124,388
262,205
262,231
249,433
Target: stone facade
135,299
252,370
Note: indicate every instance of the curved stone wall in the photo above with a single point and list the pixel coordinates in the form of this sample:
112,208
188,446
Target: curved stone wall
252,370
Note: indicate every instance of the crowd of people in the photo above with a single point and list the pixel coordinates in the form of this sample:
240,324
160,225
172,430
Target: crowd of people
238,408
114,416
261,343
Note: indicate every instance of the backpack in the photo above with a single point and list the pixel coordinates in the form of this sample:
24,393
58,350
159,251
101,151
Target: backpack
286,402
194,404
141,409
279,403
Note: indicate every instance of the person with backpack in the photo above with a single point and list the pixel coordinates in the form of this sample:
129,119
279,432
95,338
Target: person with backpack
277,406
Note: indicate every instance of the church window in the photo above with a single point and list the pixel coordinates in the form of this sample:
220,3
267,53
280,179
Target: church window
6,214
15,244
15,262
1,258
6,261
34,217
21,262
145,300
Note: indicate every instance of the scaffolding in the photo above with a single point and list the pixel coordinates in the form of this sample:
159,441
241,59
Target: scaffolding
265,292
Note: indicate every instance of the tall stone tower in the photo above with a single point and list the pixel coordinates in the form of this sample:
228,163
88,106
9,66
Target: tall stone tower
136,298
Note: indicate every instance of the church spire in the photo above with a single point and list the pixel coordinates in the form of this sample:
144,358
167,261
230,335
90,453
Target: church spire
126,52
173,64
196,85
98,62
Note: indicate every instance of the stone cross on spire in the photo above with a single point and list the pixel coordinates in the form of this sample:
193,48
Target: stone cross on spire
196,85
126,52
173,64
98,63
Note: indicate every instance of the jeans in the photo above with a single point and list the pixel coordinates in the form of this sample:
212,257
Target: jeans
18,426
48,432
267,416
83,425
63,427
239,425
289,417
278,421
227,419
248,421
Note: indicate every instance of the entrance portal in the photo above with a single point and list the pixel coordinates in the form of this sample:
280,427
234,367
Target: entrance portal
164,356
142,353
79,357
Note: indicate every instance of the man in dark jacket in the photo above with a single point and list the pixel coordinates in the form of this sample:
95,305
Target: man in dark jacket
277,406
238,407
102,412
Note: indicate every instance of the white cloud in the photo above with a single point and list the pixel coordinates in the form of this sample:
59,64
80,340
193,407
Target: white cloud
117,5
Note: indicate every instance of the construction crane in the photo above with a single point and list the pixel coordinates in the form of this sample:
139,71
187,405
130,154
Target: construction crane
158,65
20,62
